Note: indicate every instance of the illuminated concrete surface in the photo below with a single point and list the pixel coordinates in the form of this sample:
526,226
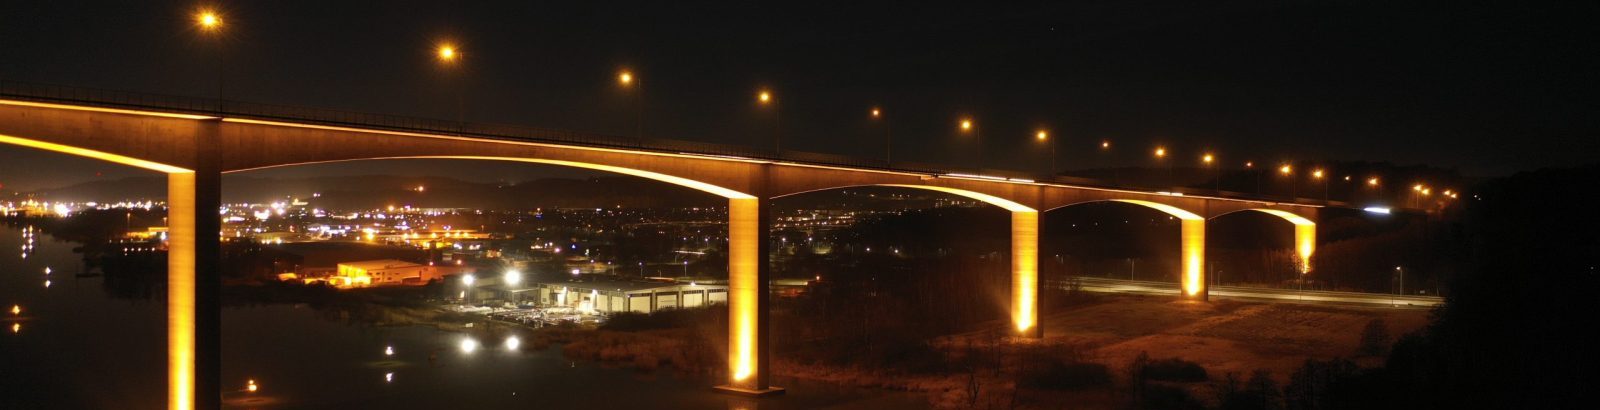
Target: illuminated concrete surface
1305,235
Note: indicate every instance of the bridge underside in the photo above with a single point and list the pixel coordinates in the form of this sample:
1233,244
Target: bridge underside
194,150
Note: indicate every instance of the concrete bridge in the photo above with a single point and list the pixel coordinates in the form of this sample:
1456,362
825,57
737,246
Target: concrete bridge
195,143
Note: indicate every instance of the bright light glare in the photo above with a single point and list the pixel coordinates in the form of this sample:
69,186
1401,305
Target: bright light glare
512,343
388,351
1376,210
469,345
447,53
468,279
513,277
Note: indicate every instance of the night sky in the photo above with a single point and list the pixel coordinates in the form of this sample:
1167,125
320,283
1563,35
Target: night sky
1487,88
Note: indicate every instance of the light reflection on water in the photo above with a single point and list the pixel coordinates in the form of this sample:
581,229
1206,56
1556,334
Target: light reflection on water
83,344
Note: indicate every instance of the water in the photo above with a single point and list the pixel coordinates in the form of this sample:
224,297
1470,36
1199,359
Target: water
78,347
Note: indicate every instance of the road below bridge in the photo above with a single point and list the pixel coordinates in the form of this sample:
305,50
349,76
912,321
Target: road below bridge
1256,294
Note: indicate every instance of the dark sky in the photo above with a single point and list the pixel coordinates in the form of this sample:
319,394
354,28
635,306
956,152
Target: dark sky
1486,87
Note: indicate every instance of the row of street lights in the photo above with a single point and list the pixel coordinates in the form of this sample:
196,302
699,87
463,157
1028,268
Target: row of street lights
449,55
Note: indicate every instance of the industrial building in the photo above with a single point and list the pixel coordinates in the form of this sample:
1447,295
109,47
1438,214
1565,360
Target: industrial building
609,294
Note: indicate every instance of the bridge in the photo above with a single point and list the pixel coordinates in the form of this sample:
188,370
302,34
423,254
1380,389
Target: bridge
195,141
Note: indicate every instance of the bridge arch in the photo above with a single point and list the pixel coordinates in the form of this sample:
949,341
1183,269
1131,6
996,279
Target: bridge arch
1024,250
1305,233
182,248
746,232
1192,242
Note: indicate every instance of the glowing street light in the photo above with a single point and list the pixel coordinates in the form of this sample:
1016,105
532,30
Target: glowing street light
1105,144
388,350
888,142
468,279
764,97
447,53
625,78
251,386
876,113
1372,181
1316,174
1161,152
1207,159
468,345
1044,136
1286,170
208,20
513,277
16,310
512,343
968,126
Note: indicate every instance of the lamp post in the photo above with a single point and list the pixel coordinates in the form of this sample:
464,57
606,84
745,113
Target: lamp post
209,21
1161,156
1044,136
877,115
449,56
1216,173
968,127
1317,175
630,82
1105,152
1402,287
765,99
1288,171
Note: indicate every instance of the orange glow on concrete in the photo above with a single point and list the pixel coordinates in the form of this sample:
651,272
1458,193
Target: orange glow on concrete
1305,235
181,247
181,236
1192,243
744,238
1024,253
106,110
1024,270
109,157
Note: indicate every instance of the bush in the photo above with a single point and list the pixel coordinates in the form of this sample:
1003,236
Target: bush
1174,370
1065,375
1159,396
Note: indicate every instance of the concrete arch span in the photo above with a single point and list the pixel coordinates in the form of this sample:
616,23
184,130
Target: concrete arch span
1024,250
1192,243
747,227
183,243
1305,233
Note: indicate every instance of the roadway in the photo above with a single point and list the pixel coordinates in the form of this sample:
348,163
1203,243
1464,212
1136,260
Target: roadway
1257,294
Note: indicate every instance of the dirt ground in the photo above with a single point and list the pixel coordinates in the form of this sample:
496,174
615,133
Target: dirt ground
1222,336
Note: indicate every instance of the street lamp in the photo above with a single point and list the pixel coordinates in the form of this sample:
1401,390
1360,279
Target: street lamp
1216,182
1317,175
448,55
967,126
877,115
1044,136
467,280
765,99
209,21
512,277
1287,171
629,82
